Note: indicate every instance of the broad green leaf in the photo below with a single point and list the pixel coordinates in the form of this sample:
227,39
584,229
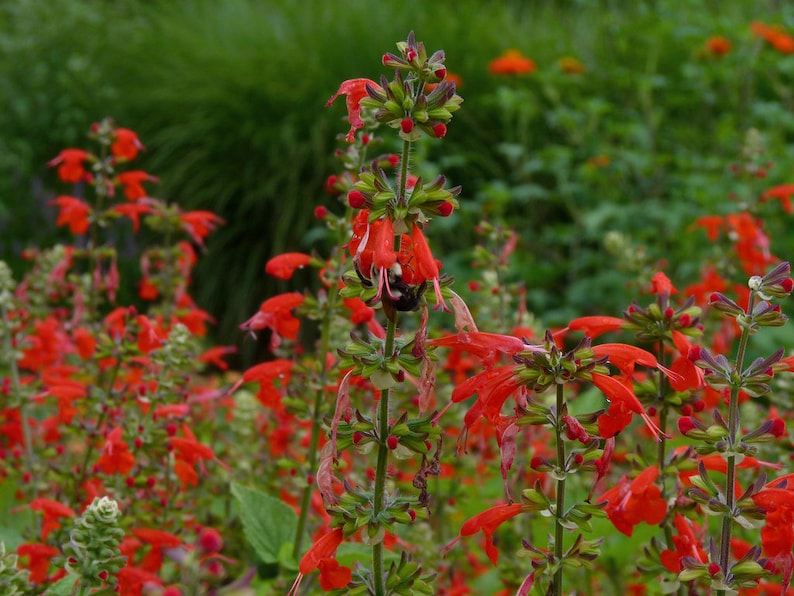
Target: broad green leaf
268,523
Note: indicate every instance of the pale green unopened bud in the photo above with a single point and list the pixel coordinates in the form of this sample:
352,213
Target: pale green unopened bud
92,552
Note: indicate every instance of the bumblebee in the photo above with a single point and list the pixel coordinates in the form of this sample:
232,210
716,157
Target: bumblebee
400,295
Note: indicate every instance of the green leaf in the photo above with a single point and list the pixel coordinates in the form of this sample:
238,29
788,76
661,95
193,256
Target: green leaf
268,523
63,587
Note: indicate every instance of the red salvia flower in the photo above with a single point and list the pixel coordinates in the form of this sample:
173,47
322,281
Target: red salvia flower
116,457
782,192
661,284
70,164
686,545
199,224
284,266
37,558
488,522
126,144
355,90
134,211
596,325
425,265
623,399
632,502
276,314
72,212
320,553
53,511
132,181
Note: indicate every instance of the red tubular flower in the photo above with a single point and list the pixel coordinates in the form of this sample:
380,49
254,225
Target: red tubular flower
133,211
686,545
324,548
70,164
53,511
132,182
596,325
425,265
275,314
283,266
116,457
73,212
630,503
216,354
126,144
39,556
488,522
157,539
782,192
661,284
355,90
199,224
718,45
618,393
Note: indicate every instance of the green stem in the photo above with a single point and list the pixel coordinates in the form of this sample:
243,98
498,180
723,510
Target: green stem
733,431
379,496
325,337
560,505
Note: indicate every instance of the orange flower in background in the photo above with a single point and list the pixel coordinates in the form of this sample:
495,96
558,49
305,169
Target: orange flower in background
451,78
126,144
774,36
73,212
718,45
511,62
70,164
570,65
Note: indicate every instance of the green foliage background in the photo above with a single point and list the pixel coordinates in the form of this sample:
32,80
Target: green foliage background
229,99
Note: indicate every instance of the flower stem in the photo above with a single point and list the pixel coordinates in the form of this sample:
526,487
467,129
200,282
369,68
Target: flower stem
733,431
317,416
383,461
560,505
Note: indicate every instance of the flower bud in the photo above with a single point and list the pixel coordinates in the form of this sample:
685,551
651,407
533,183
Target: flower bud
355,199
407,125
440,130
445,209
392,442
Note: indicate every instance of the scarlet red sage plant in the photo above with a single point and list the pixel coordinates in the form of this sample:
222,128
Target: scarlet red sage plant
99,400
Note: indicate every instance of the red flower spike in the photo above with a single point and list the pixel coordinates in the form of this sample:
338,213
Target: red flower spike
284,266
355,90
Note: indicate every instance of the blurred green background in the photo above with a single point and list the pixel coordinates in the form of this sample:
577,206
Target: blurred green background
229,97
